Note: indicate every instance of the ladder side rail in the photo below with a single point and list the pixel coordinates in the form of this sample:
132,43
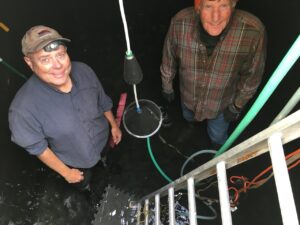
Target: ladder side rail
223,194
282,181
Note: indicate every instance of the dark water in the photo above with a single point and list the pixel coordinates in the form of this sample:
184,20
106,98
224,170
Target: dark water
31,194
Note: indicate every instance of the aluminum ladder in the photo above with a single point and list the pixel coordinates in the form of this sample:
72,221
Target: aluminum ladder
269,140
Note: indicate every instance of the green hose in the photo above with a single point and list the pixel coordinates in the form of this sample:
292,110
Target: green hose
155,163
13,69
282,69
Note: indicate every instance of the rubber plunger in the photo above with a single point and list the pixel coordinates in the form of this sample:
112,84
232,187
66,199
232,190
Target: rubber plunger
132,71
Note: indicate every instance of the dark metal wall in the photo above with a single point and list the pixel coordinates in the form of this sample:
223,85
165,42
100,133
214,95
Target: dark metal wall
96,31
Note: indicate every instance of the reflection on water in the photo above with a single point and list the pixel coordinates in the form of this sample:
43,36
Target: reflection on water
42,199
116,208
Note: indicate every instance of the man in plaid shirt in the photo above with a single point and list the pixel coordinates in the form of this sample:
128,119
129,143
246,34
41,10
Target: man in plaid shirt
219,53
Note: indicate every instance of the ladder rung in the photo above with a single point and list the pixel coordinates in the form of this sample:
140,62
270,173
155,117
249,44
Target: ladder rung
171,206
282,181
192,202
223,194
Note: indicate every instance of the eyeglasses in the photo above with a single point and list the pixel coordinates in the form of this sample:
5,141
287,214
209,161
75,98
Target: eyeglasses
53,46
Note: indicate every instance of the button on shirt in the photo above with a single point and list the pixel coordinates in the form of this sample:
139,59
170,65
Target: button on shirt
71,124
231,74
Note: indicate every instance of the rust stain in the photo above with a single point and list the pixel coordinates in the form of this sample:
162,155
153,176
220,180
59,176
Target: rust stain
246,157
212,171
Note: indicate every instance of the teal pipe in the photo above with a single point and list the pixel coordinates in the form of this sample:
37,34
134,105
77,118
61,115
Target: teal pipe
155,163
12,69
288,107
282,69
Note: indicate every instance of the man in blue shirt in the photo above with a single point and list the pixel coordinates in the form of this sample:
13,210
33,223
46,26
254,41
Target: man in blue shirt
61,114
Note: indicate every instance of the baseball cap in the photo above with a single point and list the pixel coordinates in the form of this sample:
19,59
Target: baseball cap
38,37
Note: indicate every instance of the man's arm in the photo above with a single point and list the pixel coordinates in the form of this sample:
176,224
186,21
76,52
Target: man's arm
115,130
168,66
52,161
252,71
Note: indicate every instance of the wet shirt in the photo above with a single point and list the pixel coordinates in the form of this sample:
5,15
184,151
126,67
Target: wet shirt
71,124
210,82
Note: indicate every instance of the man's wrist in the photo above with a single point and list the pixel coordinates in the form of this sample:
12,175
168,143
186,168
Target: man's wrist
65,172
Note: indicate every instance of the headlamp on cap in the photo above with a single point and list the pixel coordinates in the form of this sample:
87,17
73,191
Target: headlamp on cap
37,37
53,46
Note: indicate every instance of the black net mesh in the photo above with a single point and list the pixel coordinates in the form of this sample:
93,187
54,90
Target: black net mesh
142,123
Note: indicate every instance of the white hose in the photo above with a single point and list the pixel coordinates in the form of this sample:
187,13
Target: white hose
128,52
125,26
136,99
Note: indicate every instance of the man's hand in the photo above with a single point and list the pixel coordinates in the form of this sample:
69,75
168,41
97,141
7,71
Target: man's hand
232,113
169,97
74,176
52,161
116,134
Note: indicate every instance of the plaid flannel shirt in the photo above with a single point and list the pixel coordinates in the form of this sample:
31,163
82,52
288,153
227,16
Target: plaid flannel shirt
231,74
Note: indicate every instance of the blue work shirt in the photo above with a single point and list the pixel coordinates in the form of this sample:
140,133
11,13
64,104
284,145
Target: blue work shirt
71,124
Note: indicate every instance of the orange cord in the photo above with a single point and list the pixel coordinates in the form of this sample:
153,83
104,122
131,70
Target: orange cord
255,182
